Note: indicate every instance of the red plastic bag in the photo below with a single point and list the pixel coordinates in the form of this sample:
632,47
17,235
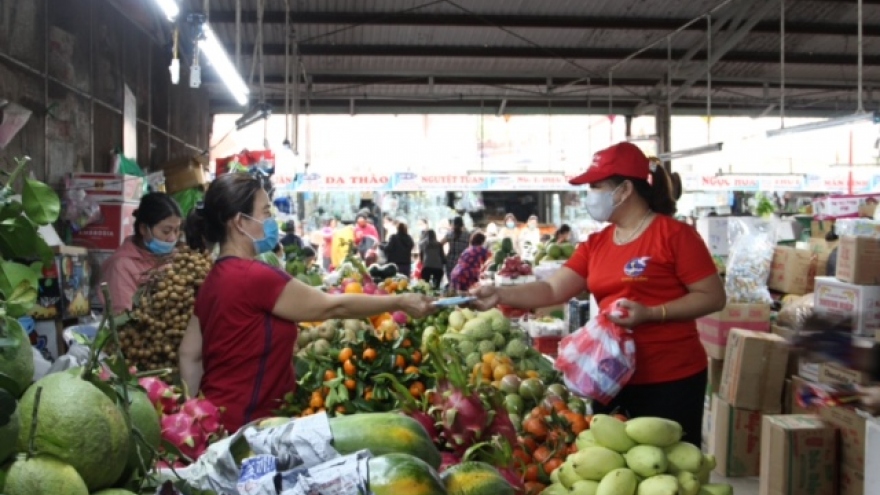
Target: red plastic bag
599,359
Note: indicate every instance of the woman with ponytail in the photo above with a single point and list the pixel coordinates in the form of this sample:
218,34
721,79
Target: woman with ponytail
659,265
238,348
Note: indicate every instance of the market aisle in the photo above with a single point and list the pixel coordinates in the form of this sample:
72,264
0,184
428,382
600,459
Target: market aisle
741,486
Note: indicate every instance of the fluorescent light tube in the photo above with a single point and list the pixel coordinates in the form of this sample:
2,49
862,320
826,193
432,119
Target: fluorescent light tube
700,150
216,54
872,117
169,7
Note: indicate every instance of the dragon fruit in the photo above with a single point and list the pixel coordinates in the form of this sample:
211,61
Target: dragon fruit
502,426
181,430
514,478
205,414
161,394
399,317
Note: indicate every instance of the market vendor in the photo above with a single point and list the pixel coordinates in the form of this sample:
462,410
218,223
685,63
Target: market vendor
238,347
660,265
156,230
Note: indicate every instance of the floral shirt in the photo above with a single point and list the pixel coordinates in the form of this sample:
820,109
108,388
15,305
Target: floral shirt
467,271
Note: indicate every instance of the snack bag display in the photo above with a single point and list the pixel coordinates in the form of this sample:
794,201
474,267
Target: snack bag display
748,266
599,359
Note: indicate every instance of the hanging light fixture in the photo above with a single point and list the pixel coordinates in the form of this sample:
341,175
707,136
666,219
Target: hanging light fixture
216,54
169,8
699,150
858,118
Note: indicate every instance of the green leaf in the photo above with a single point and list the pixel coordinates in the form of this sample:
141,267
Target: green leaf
10,210
23,294
40,202
10,385
43,251
20,281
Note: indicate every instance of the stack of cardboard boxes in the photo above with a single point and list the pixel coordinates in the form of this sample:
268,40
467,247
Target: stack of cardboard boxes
751,382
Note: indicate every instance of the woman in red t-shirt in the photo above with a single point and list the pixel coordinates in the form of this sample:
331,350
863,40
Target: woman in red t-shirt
238,348
660,265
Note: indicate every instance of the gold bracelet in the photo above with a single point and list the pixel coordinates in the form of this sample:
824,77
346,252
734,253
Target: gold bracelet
663,316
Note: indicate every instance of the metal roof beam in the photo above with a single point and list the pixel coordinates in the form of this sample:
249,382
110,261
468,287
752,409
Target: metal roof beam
529,21
523,52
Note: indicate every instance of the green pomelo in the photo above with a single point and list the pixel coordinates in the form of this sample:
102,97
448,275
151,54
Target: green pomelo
43,475
9,419
79,425
145,419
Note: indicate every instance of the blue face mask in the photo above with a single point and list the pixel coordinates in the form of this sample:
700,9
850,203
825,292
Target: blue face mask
161,248
270,235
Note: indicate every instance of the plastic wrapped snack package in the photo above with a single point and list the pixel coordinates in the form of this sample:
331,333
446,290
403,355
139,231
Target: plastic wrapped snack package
297,443
857,227
748,266
796,311
599,359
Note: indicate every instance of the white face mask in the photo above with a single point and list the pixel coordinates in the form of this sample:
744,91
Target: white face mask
600,204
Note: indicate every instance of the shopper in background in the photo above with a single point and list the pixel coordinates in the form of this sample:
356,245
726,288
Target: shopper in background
290,238
659,265
510,231
467,270
389,227
562,234
399,250
433,259
529,237
458,240
343,238
157,223
237,350
327,242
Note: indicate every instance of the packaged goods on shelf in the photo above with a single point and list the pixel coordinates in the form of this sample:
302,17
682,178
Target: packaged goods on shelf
108,187
748,267
116,223
798,455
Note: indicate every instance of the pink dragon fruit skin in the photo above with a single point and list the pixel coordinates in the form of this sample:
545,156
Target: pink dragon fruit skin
182,431
205,414
161,394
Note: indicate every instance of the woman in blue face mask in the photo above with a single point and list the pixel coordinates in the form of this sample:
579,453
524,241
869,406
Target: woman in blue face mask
238,348
156,230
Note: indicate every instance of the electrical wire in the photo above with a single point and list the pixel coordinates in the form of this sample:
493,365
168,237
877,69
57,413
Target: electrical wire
349,27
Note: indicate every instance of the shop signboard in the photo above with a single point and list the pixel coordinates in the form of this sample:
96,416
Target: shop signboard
835,181
528,182
410,181
330,183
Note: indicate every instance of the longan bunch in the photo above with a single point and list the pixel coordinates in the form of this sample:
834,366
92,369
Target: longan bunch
162,310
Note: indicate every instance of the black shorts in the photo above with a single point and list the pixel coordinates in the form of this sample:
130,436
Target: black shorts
682,401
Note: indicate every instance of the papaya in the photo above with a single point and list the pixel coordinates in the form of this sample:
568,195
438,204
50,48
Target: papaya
593,463
646,460
663,484
396,474
475,478
383,433
684,456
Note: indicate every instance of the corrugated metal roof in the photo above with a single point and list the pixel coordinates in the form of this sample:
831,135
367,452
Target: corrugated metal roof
368,57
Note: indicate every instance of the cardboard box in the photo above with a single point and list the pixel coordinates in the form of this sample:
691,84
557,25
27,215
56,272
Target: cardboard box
852,481
841,205
715,328
797,384
185,173
793,271
716,367
798,456
108,187
820,228
115,225
872,452
858,260
754,371
852,425
835,374
735,440
867,210
714,232
842,300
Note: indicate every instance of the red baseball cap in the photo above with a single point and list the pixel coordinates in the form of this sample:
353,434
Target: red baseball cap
624,159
